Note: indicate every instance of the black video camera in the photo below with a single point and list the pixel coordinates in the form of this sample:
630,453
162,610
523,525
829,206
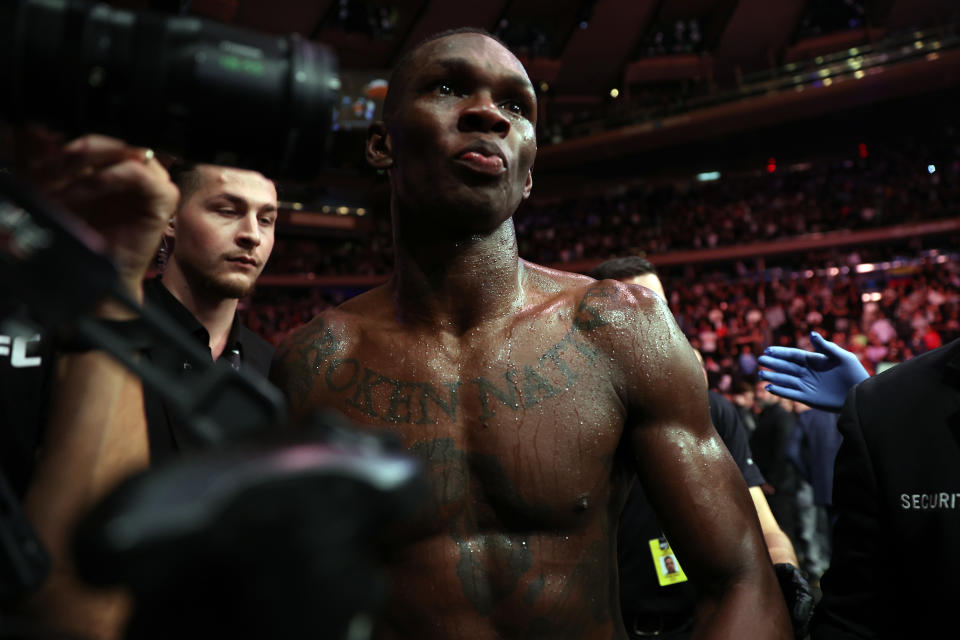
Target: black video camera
202,90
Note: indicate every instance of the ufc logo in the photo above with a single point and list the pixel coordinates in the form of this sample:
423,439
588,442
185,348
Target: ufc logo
16,349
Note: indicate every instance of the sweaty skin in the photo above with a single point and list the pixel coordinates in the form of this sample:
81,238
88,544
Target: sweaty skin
529,394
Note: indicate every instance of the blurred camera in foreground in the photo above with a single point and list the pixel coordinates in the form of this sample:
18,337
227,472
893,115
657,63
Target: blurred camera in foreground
202,90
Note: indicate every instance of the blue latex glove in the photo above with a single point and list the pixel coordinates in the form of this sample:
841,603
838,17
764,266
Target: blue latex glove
819,379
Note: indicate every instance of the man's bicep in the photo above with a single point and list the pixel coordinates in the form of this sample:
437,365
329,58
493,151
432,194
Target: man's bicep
689,475
700,498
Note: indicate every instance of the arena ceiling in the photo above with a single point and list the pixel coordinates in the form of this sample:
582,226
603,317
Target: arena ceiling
583,47
576,51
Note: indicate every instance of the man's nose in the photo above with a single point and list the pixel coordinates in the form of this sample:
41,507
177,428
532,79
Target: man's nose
482,114
249,232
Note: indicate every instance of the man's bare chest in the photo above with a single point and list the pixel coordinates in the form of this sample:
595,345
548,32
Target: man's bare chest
530,422
401,379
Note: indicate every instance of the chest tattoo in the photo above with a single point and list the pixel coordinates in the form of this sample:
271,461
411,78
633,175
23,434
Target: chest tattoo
391,399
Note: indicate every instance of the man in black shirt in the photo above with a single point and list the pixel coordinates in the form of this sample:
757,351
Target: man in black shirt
215,246
221,223
221,237
775,426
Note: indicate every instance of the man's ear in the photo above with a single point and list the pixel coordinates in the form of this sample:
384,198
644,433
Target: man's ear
379,149
170,231
528,184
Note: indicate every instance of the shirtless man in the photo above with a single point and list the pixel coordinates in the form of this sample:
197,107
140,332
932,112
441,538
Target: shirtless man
529,394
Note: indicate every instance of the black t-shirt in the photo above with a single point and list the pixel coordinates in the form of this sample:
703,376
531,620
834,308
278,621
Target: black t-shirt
640,591
244,348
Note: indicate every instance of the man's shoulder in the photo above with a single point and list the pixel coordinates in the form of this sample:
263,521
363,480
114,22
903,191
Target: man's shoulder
338,325
632,325
326,322
603,302
627,315
919,373
921,392
629,323
374,305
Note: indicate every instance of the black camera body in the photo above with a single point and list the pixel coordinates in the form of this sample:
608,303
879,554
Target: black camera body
202,90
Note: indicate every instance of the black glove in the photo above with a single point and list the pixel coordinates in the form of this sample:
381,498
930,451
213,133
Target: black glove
799,598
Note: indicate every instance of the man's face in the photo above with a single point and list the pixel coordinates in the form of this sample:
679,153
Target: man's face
744,399
762,397
650,281
224,230
462,138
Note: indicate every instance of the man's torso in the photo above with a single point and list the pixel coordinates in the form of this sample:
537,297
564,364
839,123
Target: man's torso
518,423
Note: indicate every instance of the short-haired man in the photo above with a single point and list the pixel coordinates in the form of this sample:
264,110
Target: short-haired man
529,394
219,240
669,564
215,245
222,226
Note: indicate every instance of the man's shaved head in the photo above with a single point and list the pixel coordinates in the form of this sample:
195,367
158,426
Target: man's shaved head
398,77
458,132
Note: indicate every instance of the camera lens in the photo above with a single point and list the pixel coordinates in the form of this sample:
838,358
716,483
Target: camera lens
207,91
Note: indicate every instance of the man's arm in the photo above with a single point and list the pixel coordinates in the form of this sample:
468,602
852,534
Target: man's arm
778,544
290,369
731,429
793,584
96,433
693,484
96,436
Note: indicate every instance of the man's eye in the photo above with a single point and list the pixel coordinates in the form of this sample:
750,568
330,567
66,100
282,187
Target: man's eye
227,211
515,107
445,88
267,221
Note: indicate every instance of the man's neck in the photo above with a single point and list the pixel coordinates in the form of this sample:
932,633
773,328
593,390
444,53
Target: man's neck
215,313
456,284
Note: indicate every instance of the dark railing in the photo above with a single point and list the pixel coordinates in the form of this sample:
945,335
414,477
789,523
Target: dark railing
814,72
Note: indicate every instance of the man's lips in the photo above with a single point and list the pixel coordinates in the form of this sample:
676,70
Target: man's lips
482,163
483,158
243,260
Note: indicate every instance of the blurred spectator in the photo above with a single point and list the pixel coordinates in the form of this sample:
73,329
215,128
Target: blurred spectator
730,312
775,427
891,187
813,450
